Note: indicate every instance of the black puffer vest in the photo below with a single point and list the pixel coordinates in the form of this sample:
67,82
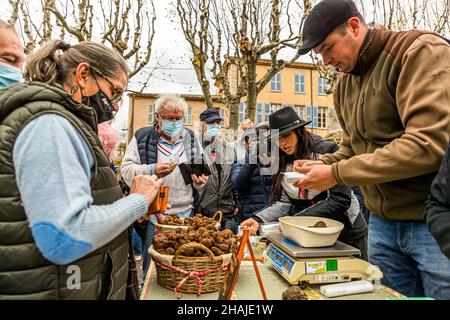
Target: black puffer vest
24,272
147,140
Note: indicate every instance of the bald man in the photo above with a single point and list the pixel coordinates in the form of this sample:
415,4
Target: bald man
11,55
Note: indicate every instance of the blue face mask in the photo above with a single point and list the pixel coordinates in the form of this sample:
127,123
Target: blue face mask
172,128
212,131
9,75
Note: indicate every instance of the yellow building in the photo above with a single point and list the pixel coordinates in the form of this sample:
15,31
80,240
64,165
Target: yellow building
299,86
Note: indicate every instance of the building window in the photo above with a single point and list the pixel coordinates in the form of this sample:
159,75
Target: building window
222,113
275,83
275,107
259,115
241,112
322,117
188,116
322,86
300,111
151,113
299,83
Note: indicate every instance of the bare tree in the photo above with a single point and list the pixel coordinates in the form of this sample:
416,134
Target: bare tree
128,26
409,14
230,37
397,15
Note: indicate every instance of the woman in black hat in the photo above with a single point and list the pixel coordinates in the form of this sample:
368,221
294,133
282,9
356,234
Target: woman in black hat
338,203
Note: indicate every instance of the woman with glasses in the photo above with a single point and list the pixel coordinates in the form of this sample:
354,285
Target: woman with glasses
63,220
338,203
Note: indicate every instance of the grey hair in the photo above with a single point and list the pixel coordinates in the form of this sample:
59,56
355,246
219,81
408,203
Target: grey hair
55,60
170,102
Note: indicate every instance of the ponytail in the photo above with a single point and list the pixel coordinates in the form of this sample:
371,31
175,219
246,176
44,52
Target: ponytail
44,65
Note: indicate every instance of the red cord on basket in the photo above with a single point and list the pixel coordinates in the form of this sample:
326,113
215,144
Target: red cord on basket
196,276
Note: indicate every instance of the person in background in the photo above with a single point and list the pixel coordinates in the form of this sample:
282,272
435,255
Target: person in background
392,101
62,208
217,195
157,150
437,206
337,203
253,188
11,56
240,143
109,138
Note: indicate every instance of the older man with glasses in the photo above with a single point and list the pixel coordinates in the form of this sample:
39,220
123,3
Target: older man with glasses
157,150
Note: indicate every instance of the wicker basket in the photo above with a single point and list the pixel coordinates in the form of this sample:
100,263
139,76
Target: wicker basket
184,274
166,227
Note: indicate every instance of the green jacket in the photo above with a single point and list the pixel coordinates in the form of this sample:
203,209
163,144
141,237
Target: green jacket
24,272
394,109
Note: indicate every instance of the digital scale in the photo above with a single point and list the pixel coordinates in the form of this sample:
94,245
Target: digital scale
301,266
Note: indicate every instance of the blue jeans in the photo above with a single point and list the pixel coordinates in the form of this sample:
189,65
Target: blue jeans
149,235
409,258
137,243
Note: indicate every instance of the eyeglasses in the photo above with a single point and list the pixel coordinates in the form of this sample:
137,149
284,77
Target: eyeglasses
117,94
171,118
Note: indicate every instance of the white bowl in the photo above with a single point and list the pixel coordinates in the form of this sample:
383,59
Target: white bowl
297,229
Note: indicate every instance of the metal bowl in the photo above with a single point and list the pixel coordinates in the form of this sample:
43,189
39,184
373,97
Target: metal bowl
298,230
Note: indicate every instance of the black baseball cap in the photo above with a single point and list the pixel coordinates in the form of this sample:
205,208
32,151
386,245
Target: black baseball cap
210,115
323,19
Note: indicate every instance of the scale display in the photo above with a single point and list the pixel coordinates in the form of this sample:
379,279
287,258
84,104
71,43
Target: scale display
317,265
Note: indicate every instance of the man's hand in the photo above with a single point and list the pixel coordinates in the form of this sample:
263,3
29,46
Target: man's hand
163,169
304,166
199,180
318,177
250,224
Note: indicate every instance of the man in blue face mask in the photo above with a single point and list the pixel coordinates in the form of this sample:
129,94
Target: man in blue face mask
11,56
158,149
217,194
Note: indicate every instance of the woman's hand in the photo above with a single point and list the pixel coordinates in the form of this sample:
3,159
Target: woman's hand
148,186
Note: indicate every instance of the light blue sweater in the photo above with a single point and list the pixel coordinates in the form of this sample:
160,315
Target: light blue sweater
54,166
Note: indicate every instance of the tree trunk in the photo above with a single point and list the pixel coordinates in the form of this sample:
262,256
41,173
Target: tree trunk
233,106
207,95
252,93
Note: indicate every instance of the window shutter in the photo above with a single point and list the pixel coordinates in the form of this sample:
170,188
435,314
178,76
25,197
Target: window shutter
315,117
151,113
241,112
267,111
309,115
258,113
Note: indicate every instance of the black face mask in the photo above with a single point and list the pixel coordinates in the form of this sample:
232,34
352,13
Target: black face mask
101,104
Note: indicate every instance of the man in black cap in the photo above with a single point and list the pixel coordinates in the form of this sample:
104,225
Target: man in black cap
392,102
217,193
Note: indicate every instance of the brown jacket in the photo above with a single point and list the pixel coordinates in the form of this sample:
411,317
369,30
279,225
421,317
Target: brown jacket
394,109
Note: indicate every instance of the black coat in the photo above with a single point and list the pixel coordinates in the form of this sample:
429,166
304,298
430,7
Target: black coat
253,189
437,206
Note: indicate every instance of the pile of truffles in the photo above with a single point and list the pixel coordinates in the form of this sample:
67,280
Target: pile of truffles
219,242
196,222
173,220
